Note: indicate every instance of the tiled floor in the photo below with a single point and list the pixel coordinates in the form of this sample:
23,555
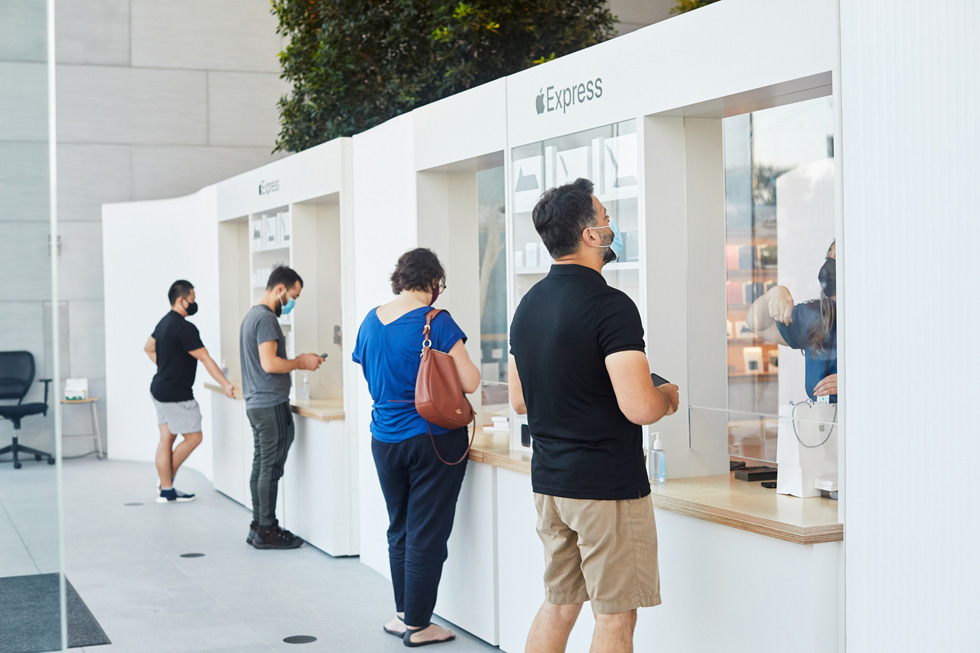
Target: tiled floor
125,563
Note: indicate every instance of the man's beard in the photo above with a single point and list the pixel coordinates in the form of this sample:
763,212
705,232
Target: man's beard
608,255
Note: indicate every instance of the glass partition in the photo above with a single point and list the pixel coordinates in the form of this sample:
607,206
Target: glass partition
778,288
493,290
608,157
31,581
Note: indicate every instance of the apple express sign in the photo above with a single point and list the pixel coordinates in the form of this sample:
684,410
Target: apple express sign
564,98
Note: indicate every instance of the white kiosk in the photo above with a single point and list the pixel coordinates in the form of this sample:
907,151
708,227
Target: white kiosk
644,116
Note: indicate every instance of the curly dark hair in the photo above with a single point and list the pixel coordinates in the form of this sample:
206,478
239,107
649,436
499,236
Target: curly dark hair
562,214
417,269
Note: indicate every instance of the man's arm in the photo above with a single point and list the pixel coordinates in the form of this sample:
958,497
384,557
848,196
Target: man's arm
779,302
202,355
514,388
151,349
272,364
640,401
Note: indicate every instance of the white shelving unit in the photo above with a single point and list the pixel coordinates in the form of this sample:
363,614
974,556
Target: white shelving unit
299,217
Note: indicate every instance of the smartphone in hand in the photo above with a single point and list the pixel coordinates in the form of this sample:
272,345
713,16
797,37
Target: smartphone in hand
657,379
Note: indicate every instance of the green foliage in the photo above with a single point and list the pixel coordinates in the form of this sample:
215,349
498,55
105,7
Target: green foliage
355,64
684,6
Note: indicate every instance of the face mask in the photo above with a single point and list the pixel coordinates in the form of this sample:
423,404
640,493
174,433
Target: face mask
435,295
828,277
287,306
191,308
616,246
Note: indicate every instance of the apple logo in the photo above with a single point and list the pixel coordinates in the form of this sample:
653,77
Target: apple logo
539,102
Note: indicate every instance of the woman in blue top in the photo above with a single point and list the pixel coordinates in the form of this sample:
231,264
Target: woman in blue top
810,327
420,491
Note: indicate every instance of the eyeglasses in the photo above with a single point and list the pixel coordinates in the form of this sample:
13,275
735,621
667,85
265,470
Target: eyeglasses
442,286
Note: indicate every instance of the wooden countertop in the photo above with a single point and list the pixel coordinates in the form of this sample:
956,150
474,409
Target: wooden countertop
323,409
719,499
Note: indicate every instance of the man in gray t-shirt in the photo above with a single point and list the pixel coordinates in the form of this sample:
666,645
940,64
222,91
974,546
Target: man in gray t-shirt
266,383
262,389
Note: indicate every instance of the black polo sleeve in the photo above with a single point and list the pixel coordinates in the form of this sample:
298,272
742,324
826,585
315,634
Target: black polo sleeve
618,325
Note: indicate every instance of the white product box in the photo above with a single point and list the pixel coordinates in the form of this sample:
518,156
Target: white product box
544,258
270,235
257,241
518,260
285,228
531,255
76,389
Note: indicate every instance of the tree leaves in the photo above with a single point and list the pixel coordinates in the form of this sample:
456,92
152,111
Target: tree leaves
355,64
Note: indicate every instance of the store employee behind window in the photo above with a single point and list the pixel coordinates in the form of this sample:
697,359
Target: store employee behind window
810,327
175,347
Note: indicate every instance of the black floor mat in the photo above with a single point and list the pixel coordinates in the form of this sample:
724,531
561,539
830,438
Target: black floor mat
31,622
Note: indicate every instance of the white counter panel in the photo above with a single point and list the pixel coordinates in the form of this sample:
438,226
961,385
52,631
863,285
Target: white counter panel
315,486
468,590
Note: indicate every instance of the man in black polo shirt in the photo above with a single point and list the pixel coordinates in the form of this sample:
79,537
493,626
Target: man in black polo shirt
176,347
579,370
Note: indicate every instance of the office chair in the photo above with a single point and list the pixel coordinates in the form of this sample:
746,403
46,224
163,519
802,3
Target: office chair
16,377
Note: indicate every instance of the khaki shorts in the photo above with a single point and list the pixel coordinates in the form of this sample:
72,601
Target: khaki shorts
181,417
599,551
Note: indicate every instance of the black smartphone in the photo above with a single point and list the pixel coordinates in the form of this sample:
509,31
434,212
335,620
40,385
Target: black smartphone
324,355
657,379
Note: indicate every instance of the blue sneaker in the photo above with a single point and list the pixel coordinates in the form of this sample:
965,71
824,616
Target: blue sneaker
174,495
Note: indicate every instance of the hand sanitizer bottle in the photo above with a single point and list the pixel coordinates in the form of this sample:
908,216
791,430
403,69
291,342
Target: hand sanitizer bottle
659,460
305,392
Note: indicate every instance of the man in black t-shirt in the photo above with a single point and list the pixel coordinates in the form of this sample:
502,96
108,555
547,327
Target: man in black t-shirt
579,370
175,347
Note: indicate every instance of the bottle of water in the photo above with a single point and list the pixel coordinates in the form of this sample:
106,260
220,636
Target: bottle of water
305,391
659,461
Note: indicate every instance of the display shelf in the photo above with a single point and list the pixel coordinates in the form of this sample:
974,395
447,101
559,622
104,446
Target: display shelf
618,194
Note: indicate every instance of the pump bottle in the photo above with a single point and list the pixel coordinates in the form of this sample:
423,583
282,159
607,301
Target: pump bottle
659,460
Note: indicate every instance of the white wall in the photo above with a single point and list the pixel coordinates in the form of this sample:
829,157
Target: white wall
386,225
186,237
155,99
910,161
25,213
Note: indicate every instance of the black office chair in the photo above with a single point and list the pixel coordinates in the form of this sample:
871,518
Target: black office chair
16,377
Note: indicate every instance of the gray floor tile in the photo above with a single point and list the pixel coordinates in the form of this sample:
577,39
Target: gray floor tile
125,563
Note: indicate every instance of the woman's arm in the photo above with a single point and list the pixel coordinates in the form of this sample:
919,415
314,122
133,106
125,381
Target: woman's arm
775,306
469,375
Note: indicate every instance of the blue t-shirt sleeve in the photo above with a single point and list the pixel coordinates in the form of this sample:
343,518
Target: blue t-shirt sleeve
445,332
795,334
358,354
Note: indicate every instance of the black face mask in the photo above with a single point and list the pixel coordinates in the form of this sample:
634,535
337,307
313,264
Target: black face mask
828,277
191,308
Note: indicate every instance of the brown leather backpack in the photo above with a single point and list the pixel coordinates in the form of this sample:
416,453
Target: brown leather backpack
439,397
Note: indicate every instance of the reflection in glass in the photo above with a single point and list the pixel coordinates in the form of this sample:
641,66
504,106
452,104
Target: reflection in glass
779,256
31,603
608,157
493,289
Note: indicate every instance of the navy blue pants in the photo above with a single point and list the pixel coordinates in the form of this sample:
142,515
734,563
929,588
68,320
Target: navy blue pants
420,492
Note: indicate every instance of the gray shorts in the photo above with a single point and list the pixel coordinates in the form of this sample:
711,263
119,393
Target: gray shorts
181,417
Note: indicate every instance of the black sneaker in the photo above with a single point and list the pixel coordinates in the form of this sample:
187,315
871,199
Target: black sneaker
272,537
251,532
174,495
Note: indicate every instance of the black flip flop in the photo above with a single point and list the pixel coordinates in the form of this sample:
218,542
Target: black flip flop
407,638
399,635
